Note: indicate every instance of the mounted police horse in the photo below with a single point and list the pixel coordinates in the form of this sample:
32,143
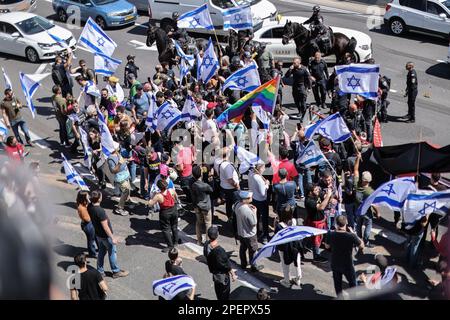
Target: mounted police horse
340,44
166,49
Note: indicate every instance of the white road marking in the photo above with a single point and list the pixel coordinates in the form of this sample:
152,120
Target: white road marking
41,143
141,25
41,68
441,61
142,46
392,90
398,239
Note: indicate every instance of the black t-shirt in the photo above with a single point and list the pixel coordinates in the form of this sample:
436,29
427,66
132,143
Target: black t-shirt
217,258
342,244
90,289
311,210
173,269
98,214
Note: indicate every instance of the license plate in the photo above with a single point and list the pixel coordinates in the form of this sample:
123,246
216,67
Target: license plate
129,18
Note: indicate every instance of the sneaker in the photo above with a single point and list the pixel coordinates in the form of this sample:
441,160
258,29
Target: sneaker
121,212
296,281
320,259
285,283
256,268
264,241
103,274
120,274
166,249
30,144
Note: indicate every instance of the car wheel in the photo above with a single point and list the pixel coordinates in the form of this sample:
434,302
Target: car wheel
31,55
62,15
101,22
397,26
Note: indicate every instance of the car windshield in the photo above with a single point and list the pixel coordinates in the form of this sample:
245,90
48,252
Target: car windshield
447,4
102,2
226,4
34,25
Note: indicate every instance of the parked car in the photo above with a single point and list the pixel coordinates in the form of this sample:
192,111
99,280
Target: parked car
17,5
27,35
271,33
106,13
161,11
429,16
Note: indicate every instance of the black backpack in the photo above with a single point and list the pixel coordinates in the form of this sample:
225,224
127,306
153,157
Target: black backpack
385,83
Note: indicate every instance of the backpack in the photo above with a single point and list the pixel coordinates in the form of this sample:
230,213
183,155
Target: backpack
385,83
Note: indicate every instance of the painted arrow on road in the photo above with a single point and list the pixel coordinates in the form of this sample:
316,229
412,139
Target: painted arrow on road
142,46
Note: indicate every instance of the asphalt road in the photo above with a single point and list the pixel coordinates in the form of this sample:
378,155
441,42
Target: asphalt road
139,250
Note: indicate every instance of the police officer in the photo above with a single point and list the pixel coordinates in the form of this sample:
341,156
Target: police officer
265,63
316,22
384,85
301,85
411,92
130,68
319,74
176,33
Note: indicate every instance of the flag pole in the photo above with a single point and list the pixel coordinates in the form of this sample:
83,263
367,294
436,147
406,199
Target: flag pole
276,94
419,154
328,162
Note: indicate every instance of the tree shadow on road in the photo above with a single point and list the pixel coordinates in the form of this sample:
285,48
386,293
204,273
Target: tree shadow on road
440,70
142,237
68,250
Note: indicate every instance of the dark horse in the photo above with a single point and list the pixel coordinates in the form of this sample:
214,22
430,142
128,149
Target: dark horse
340,43
166,49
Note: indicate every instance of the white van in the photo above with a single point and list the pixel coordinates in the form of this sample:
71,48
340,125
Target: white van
161,10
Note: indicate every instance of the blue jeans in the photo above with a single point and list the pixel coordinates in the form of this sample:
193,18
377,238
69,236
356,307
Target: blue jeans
301,189
23,125
412,249
89,231
367,223
106,245
350,210
132,167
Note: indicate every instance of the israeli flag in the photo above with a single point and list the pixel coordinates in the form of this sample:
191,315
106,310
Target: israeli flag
311,156
107,141
334,128
167,116
8,84
246,159
261,114
189,58
289,234
359,79
86,148
209,65
184,69
190,110
237,19
95,39
116,91
151,120
61,42
196,19
245,79
105,65
422,202
72,175
391,194
91,89
3,129
168,288
310,129
29,87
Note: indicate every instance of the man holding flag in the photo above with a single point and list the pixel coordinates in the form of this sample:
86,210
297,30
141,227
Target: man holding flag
12,116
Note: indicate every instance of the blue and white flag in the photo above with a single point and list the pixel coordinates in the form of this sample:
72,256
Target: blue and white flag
261,114
29,87
189,58
423,202
184,70
246,159
391,194
8,84
3,129
168,288
334,128
359,79
91,89
245,79
107,140
167,116
95,39
151,120
61,42
105,65
86,148
190,110
237,19
310,130
196,19
289,234
210,63
72,175
311,156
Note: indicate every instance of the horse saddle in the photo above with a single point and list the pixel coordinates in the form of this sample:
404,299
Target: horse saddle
325,42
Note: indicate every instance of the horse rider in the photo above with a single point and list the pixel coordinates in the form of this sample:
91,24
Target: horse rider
179,34
318,29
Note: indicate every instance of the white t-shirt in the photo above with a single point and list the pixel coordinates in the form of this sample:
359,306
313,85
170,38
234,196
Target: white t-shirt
210,130
257,185
227,171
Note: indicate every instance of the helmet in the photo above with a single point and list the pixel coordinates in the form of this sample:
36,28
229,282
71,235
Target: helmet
316,8
175,15
235,61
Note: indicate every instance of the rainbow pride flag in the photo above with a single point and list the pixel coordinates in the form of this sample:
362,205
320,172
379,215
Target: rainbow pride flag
265,96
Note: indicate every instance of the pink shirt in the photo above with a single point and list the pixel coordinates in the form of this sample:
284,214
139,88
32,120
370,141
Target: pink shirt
185,157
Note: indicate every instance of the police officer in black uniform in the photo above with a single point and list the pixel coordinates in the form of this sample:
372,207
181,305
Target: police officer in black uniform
130,68
301,85
411,92
316,20
319,73
179,34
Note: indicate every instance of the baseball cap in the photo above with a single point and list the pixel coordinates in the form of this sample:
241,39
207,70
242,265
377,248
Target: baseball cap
139,87
366,176
211,105
245,194
213,233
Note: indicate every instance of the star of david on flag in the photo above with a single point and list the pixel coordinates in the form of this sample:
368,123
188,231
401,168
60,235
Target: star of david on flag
209,65
237,19
167,116
190,110
95,39
169,287
245,79
311,155
359,79
333,127
105,65
198,18
422,203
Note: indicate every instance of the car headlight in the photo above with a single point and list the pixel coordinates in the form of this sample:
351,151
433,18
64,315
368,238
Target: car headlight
365,47
112,14
45,45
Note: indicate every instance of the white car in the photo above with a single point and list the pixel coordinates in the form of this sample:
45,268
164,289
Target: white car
161,11
28,35
428,16
271,33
